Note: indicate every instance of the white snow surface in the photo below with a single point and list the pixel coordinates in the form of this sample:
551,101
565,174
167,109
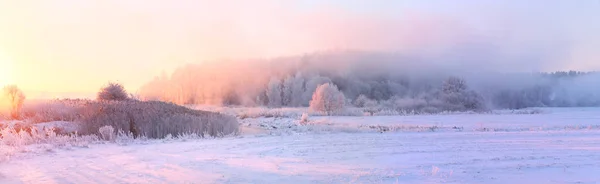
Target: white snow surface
559,146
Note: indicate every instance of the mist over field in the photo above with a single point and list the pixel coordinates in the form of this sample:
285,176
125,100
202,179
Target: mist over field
504,54
377,75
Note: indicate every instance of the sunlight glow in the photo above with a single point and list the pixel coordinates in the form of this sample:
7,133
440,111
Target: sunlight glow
6,68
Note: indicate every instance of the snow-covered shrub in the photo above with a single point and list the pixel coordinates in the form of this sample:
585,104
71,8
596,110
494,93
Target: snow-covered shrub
304,119
328,99
107,133
113,92
155,119
11,137
17,138
59,127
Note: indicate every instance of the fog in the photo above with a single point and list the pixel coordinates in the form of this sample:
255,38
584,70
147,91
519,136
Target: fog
379,76
502,55
230,43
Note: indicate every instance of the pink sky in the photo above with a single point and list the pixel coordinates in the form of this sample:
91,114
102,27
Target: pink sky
73,47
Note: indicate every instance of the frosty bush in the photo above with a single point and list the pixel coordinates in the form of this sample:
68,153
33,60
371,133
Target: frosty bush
107,133
14,137
304,119
328,99
113,92
154,119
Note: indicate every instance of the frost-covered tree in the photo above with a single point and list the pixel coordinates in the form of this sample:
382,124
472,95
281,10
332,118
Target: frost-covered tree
370,106
293,90
16,98
457,97
262,99
379,76
328,99
311,87
297,92
454,85
274,93
113,92
287,91
362,101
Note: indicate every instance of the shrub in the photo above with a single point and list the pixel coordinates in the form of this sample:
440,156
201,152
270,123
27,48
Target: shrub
15,137
107,133
328,99
113,92
154,119
304,119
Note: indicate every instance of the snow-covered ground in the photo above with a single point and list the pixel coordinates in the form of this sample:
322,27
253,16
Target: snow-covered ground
559,146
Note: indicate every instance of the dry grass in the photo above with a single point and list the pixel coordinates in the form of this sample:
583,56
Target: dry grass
155,120
149,119
54,110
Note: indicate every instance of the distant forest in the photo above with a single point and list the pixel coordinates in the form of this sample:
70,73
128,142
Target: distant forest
385,80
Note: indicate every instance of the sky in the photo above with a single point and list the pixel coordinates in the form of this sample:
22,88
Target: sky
70,48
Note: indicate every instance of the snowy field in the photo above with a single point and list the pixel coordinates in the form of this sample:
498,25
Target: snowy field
557,146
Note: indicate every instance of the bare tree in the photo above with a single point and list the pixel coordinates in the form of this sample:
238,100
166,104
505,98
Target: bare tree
16,98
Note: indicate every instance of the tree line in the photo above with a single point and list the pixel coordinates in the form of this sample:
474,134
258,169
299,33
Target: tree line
373,78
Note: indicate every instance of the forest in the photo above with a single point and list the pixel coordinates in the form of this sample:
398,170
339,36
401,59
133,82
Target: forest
368,79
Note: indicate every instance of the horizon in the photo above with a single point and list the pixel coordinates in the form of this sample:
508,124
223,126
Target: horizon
44,95
71,49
